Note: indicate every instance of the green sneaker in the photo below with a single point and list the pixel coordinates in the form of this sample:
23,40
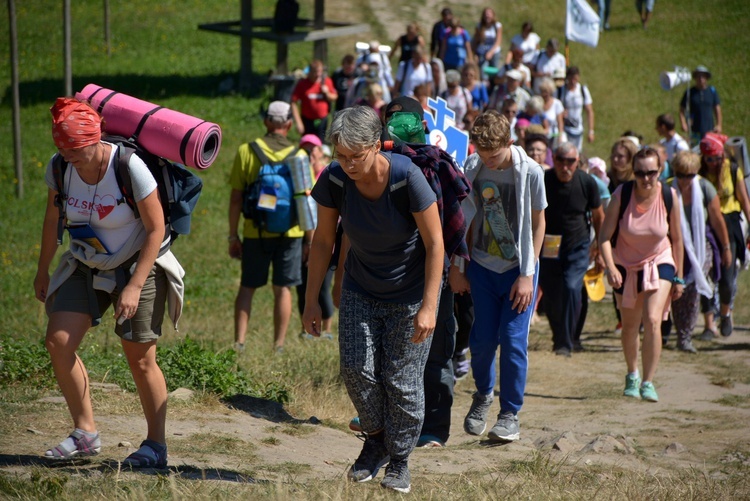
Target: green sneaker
648,392
631,386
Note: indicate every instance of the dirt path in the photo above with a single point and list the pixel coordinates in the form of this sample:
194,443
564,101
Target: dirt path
573,411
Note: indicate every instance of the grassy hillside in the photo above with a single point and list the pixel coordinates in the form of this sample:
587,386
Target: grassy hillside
158,54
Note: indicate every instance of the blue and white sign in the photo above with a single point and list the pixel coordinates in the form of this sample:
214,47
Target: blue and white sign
443,131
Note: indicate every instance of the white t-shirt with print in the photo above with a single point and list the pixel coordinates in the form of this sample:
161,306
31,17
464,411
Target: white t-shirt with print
528,46
103,205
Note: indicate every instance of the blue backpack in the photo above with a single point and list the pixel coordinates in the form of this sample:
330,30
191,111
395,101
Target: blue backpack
269,200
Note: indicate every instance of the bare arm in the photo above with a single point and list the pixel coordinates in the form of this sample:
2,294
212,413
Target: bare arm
496,46
590,115
522,291
606,231
152,218
597,218
428,223
716,220
297,118
678,249
317,266
235,207
740,192
717,112
48,247
683,119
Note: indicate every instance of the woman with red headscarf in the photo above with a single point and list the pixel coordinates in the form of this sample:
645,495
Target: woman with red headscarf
111,260
727,178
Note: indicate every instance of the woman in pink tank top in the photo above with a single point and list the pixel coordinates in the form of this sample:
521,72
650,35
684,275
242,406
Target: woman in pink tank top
644,266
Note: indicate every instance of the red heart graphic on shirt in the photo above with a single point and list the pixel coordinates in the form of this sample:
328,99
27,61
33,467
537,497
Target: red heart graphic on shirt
104,205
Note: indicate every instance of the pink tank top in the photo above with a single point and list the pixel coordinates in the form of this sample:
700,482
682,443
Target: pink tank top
642,244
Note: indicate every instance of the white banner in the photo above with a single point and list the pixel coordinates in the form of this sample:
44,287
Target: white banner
582,23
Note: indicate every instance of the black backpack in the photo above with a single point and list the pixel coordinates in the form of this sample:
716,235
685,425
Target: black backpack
178,188
626,193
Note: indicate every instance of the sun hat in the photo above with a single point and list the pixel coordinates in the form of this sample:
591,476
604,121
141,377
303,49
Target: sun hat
594,282
310,139
701,69
558,74
514,74
279,109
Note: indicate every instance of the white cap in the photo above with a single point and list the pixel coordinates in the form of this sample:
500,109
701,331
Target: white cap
514,74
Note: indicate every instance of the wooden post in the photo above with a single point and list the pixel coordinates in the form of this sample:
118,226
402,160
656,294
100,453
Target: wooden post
107,37
67,49
16,100
246,45
320,47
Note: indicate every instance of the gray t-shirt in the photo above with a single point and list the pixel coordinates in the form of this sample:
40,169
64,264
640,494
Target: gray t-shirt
387,256
495,239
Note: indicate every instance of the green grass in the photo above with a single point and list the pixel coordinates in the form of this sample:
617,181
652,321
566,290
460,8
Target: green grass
158,54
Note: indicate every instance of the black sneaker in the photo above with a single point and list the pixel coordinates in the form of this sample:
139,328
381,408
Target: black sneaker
373,456
397,476
725,325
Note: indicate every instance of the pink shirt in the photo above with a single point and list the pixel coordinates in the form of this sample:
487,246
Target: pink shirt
642,244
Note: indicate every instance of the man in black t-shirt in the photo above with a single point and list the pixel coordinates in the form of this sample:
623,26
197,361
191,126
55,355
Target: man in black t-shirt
343,78
573,205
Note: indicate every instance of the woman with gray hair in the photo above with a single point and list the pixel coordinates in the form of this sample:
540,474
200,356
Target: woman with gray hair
390,287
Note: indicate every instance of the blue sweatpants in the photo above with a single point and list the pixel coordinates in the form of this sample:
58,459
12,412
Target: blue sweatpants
497,324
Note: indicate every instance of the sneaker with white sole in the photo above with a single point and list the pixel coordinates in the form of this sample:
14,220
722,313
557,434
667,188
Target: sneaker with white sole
506,429
648,392
632,382
373,456
476,420
397,476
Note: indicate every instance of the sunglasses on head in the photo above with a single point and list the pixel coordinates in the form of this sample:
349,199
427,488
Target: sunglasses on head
684,176
566,160
645,173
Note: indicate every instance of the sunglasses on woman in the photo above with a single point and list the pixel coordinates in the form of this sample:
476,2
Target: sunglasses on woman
645,173
680,175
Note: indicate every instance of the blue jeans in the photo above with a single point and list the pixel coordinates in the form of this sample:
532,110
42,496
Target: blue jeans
497,324
604,10
561,280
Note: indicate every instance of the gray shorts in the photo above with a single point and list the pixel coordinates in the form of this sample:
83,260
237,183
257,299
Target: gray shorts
259,253
146,323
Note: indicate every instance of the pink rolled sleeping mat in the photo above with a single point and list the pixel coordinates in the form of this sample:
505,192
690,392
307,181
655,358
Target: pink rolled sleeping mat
167,133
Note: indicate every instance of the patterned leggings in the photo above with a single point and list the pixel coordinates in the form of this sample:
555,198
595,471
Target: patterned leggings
383,370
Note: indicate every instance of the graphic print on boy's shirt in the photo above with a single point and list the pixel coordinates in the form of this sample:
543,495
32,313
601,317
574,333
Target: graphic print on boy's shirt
496,196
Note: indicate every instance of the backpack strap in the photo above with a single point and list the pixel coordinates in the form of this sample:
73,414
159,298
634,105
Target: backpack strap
625,194
259,153
122,175
59,166
398,188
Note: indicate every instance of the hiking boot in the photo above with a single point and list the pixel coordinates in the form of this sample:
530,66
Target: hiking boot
707,335
648,392
373,456
631,386
460,365
476,420
725,325
397,476
77,444
506,429
685,344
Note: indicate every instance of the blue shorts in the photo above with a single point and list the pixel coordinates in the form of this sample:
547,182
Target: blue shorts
666,272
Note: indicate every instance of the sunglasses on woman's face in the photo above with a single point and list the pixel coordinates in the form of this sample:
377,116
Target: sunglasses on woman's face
684,176
645,173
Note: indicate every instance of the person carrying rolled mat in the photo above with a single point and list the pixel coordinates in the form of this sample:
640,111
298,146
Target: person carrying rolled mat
115,263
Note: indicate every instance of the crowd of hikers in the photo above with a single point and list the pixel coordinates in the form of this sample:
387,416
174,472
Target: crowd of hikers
433,266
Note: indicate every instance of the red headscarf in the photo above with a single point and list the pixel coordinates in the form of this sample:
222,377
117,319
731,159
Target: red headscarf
712,144
74,124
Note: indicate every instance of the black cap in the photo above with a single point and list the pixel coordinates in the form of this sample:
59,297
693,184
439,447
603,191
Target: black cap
406,103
